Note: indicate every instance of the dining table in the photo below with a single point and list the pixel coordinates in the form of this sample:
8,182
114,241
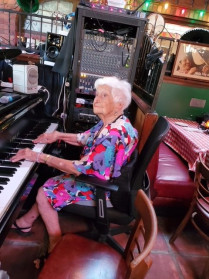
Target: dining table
189,140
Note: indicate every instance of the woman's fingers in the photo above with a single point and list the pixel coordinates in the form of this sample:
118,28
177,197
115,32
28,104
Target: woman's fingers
45,138
41,139
24,154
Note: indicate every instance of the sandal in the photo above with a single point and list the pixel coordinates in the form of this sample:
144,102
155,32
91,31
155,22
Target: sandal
20,230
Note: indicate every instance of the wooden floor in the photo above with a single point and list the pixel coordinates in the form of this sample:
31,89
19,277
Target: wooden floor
186,259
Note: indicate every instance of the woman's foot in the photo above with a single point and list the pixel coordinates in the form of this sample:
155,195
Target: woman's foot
23,229
39,262
53,241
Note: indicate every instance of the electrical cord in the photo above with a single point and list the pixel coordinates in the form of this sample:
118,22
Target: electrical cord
43,89
63,114
59,98
96,46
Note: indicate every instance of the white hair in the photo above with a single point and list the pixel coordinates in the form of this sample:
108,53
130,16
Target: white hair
121,89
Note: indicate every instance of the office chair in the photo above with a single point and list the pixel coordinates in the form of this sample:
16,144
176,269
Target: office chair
123,191
79,257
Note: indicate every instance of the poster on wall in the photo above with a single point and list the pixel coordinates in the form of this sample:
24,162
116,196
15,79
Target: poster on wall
192,61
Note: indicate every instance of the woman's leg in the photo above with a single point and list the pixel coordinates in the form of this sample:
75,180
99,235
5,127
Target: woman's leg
50,218
26,221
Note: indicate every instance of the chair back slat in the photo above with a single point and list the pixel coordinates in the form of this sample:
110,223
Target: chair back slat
143,236
200,215
198,211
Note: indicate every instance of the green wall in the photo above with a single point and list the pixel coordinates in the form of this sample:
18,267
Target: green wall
174,100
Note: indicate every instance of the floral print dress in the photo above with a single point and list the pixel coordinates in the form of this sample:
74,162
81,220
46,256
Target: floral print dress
103,155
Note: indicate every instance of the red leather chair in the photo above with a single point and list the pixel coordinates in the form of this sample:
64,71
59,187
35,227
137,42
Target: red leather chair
171,184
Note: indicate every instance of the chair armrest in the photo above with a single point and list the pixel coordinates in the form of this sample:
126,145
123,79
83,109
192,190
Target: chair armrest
96,182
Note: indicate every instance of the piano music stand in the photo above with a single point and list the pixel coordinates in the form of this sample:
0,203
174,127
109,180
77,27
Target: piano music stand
9,53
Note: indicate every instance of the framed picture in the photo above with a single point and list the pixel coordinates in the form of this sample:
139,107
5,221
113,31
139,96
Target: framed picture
192,61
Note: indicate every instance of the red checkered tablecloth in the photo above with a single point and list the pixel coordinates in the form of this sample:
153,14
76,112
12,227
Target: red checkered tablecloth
187,140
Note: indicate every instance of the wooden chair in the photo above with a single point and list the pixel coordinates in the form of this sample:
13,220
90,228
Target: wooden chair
198,211
78,257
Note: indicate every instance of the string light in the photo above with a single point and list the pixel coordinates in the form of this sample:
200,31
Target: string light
190,13
201,13
152,6
183,11
166,6
147,5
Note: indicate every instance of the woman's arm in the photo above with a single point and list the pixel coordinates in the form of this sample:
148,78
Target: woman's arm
54,136
52,161
58,163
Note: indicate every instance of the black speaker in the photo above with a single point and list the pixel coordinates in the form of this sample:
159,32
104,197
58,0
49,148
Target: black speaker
53,46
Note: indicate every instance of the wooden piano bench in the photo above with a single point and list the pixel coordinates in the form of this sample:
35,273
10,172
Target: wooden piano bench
171,183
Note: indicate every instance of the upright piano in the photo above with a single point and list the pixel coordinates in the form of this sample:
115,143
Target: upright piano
21,121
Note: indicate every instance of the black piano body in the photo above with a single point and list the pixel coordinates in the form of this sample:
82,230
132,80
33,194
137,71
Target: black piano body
21,120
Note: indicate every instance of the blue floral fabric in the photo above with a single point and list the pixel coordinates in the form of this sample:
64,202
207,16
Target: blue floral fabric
105,152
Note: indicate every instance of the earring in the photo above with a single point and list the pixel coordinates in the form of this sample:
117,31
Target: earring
115,113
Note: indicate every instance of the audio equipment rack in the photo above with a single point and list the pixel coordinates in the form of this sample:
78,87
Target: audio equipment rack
107,43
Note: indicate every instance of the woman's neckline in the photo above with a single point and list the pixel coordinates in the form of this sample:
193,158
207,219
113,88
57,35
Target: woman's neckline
104,125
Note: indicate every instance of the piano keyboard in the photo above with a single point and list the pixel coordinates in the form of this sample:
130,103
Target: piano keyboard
18,174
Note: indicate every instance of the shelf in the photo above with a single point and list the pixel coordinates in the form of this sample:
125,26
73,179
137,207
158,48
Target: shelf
186,82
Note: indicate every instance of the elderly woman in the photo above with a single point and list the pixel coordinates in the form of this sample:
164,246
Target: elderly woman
106,148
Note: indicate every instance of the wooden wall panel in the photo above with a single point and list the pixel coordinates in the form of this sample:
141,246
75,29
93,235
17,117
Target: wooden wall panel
199,5
185,3
144,124
192,4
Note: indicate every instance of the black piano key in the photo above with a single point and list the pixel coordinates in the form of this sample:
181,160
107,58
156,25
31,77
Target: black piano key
31,134
1,188
8,149
7,163
12,145
19,139
9,172
26,137
38,131
7,169
24,145
8,154
3,156
4,180
15,146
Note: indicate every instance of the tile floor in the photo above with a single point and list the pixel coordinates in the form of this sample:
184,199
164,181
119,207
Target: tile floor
185,259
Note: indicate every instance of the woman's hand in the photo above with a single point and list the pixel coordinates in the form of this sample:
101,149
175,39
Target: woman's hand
26,154
47,137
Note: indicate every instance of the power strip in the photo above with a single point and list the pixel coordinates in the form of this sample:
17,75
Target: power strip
6,84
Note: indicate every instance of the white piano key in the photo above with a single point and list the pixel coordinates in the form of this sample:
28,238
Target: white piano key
11,189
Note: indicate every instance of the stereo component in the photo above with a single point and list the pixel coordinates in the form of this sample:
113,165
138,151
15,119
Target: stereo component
53,46
107,54
25,78
85,115
86,83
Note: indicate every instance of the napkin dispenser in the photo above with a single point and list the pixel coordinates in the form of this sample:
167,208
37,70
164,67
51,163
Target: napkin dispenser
206,117
202,118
